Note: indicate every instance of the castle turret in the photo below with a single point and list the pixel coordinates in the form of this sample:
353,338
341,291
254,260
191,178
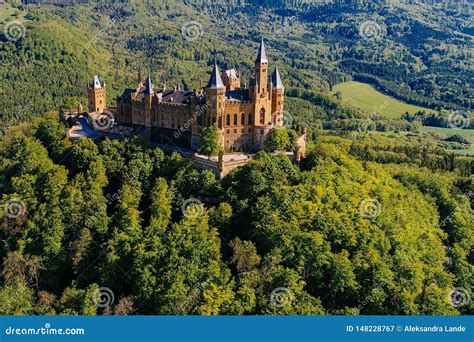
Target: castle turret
278,98
97,95
215,101
261,69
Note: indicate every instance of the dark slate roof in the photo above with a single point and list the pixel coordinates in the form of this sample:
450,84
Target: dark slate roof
177,97
238,95
276,79
262,55
215,82
127,94
148,86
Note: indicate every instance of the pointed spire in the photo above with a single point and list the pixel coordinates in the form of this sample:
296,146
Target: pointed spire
148,86
140,76
262,55
215,82
276,79
96,82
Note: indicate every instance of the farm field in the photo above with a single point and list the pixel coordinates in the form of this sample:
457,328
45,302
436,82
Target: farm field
445,132
369,99
7,12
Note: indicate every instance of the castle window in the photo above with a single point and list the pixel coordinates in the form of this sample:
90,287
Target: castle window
236,122
250,118
220,121
242,119
262,116
227,131
235,131
227,120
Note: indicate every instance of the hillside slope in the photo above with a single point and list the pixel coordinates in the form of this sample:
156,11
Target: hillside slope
418,53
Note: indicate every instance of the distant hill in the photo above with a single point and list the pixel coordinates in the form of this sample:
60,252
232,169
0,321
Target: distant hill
416,52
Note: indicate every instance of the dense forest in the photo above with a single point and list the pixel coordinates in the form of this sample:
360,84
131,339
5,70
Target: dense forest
361,226
371,222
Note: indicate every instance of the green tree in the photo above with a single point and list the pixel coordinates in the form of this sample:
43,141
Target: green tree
209,141
278,140
50,132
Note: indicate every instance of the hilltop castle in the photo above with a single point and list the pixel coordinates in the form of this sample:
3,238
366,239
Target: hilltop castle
244,116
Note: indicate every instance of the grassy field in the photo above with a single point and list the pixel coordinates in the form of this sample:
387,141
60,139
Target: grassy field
8,12
445,132
368,99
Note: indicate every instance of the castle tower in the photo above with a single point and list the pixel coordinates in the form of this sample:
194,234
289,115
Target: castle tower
97,95
215,101
278,98
262,96
261,69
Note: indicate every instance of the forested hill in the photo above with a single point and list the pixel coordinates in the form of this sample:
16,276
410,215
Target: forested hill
371,222
420,52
